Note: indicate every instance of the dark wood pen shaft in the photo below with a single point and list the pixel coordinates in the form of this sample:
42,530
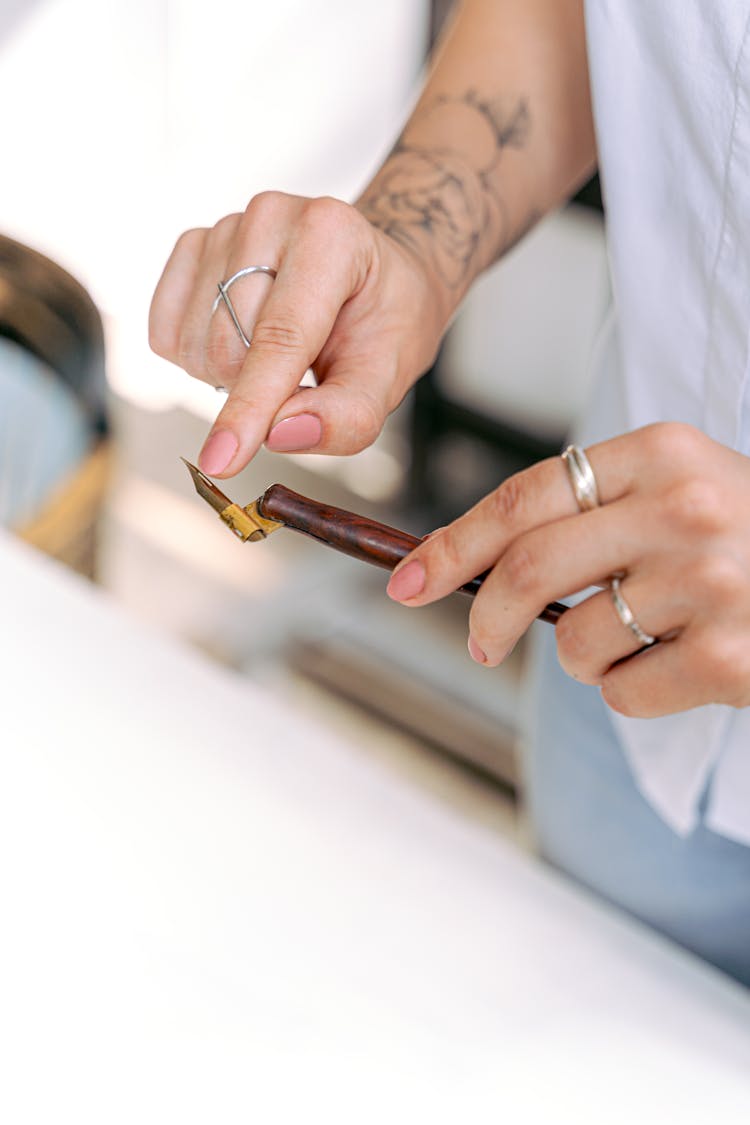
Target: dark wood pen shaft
355,535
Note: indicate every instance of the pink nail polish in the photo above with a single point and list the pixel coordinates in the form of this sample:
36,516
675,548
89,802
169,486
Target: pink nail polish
475,652
303,431
218,452
407,582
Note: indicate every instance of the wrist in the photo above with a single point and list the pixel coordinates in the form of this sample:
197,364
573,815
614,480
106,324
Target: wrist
439,194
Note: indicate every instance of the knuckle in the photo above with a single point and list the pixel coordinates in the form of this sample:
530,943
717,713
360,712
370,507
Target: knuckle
222,357
676,443
521,570
720,577
265,205
451,549
574,650
516,496
190,239
725,660
508,500
326,215
226,227
240,403
696,506
186,353
280,335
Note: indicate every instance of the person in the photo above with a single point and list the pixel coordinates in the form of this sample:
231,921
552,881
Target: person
639,771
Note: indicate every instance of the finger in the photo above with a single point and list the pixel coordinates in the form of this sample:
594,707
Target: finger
341,416
474,541
554,561
669,592
198,313
318,274
544,493
531,532
539,495
172,294
591,637
259,238
232,323
702,665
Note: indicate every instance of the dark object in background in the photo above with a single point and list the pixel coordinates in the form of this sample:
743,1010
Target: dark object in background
459,453
50,314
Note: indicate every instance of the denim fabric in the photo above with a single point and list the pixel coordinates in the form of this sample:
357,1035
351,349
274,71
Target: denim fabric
591,821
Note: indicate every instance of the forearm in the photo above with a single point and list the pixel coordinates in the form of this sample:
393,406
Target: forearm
502,134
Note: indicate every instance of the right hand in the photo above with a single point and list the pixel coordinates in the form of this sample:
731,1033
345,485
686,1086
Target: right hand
351,303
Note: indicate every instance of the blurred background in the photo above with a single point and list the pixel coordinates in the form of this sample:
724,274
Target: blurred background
128,121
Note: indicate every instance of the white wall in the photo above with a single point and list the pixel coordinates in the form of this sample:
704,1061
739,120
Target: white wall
126,121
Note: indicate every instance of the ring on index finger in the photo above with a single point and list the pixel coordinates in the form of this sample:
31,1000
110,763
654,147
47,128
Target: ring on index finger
224,286
582,478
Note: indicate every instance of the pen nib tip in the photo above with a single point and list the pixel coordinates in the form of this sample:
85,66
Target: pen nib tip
206,488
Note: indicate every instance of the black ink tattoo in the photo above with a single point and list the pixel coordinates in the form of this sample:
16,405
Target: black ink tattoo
440,197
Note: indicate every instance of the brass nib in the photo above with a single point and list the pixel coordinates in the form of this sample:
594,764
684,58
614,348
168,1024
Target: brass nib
246,523
207,489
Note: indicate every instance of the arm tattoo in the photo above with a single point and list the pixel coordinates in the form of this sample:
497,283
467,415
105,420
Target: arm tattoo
439,196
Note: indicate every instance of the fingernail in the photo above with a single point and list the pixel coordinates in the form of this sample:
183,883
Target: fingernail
407,582
301,432
475,652
218,452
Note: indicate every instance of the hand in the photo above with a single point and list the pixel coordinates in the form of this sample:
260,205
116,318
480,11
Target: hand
348,301
674,520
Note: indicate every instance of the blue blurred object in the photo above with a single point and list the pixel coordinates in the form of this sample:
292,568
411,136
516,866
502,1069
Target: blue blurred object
591,821
45,433
53,417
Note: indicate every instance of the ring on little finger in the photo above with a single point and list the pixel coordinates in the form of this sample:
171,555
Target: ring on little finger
625,613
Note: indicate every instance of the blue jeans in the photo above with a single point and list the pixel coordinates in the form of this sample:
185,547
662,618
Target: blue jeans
591,821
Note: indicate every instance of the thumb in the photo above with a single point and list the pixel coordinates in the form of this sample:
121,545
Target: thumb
342,416
320,271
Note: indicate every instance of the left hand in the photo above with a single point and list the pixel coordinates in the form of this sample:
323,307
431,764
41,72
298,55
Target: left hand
674,520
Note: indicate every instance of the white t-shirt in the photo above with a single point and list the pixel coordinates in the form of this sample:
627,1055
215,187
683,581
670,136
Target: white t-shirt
671,93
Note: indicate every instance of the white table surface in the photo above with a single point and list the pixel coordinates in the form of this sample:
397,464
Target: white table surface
214,911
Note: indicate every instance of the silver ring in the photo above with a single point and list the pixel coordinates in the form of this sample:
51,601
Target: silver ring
625,613
224,287
581,478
